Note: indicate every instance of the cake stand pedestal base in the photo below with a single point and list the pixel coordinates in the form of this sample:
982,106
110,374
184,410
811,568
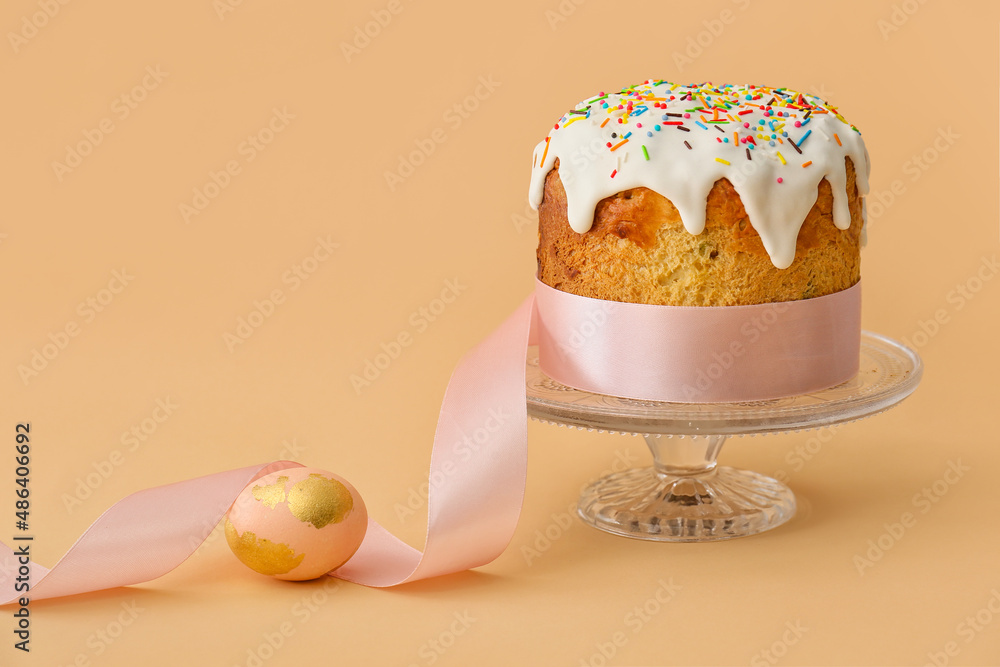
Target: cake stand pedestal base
685,496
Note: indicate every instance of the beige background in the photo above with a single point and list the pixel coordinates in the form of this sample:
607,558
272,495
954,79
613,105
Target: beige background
285,391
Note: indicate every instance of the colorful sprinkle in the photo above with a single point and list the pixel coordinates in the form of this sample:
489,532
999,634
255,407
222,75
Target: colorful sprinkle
762,115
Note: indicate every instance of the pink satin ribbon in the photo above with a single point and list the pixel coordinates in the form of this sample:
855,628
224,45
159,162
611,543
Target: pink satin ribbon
697,354
479,456
141,537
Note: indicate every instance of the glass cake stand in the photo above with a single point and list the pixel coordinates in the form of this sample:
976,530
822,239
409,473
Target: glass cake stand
685,496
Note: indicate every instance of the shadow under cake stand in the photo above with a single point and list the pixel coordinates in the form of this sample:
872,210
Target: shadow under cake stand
685,496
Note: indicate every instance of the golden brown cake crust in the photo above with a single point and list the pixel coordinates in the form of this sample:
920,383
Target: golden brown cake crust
638,250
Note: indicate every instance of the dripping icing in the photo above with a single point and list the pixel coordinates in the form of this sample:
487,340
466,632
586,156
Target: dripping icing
678,140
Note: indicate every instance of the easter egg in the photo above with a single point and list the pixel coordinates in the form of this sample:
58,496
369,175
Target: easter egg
297,523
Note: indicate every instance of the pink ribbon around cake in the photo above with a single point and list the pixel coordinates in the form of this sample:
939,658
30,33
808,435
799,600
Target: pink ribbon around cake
685,354
649,352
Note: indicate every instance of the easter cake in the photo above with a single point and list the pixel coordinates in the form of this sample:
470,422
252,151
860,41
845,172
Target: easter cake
700,195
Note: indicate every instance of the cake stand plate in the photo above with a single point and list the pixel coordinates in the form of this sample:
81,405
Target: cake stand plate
685,496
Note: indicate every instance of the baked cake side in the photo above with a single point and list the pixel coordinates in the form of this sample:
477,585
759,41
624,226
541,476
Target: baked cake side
677,216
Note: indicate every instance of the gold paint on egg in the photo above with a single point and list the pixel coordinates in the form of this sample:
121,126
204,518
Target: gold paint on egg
260,554
320,500
272,494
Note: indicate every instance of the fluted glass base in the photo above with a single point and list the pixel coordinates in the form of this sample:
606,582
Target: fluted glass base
685,497
719,505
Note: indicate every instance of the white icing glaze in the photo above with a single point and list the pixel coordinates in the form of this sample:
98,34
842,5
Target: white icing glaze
590,170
